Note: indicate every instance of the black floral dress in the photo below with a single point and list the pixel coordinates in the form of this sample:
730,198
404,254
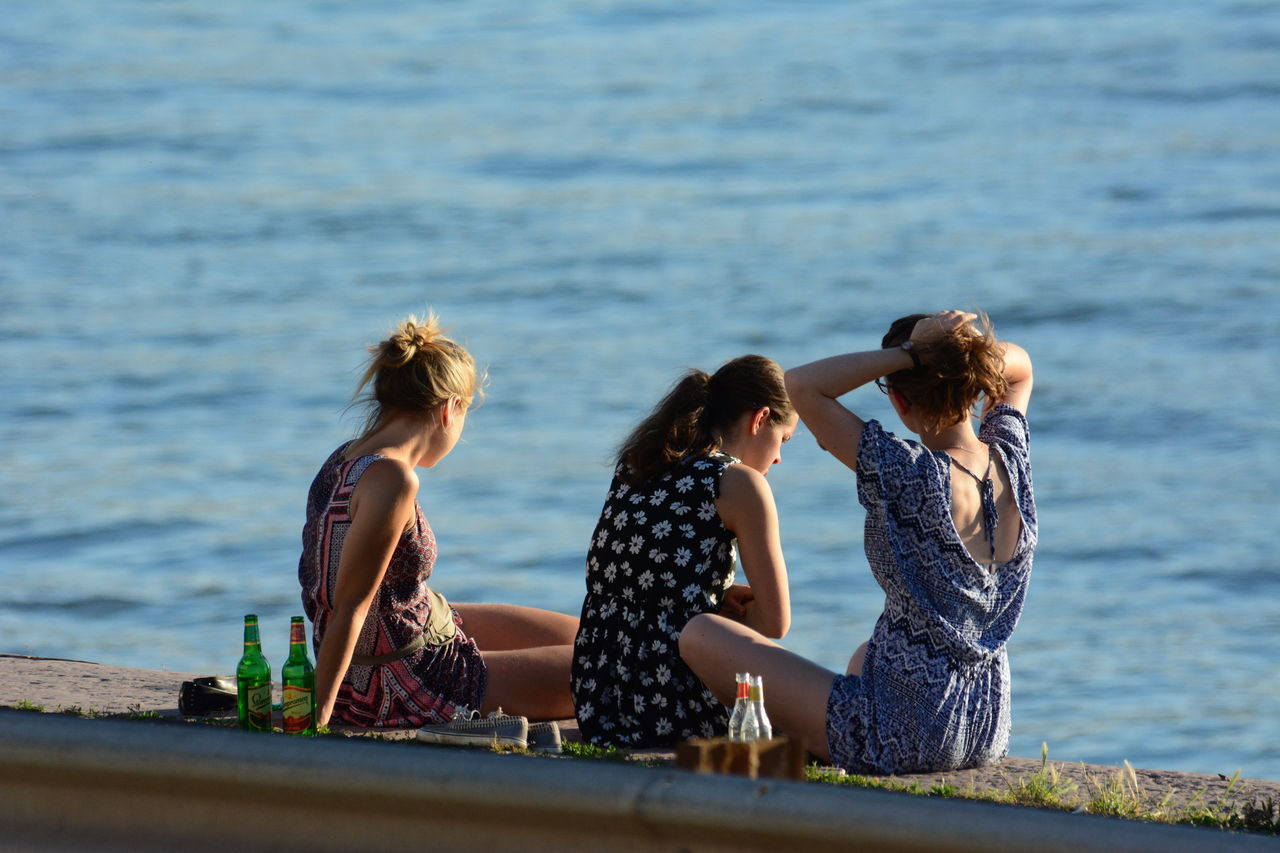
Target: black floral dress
660,555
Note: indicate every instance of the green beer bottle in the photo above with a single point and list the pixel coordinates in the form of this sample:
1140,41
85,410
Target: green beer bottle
298,678
253,681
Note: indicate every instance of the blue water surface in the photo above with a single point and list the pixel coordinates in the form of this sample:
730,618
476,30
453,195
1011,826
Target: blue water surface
210,209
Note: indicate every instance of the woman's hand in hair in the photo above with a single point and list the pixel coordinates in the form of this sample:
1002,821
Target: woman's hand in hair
931,330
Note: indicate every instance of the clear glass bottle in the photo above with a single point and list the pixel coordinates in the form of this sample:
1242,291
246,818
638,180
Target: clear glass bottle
763,726
740,706
253,681
298,684
750,719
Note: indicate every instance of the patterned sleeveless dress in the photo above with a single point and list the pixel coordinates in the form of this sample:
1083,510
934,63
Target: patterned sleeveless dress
423,687
934,689
659,556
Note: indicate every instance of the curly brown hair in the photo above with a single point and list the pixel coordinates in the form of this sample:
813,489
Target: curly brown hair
962,368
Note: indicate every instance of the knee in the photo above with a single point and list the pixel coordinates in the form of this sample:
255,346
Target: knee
694,635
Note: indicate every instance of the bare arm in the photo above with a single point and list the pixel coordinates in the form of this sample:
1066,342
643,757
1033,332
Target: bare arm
381,507
1017,372
814,389
747,509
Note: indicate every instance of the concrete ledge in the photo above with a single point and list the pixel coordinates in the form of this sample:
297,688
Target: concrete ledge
74,784
67,783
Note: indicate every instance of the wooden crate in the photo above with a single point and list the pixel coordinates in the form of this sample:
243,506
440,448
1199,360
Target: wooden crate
779,758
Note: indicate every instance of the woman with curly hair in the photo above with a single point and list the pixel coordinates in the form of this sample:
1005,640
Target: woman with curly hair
950,534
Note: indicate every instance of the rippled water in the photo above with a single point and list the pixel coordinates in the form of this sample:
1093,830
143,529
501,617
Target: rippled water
209,209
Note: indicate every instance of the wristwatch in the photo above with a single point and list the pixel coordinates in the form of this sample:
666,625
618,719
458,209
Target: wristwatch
910,349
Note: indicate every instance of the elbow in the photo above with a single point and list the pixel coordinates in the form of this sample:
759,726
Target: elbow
806,398
795,384
777,627
348,612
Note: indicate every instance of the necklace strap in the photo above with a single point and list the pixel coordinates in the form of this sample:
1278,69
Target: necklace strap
986,490
986,475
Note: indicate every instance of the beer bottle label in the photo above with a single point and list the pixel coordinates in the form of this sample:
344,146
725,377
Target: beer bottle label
258,699
297,709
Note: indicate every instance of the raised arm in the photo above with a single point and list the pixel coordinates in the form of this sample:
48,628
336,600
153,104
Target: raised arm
814,390
748,511
382,505
1017,372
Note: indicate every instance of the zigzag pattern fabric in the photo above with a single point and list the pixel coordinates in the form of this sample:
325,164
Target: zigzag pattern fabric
424,687
934,690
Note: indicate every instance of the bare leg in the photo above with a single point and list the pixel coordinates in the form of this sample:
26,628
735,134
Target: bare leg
530,682
528,652
796,689
503,627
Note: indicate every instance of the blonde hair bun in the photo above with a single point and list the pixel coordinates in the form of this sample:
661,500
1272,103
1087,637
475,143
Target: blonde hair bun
407,339
415,369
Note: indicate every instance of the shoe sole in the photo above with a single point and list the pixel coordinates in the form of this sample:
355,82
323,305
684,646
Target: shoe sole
453,739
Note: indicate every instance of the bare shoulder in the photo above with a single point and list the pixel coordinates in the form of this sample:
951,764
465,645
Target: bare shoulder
746,504
741,483
388,480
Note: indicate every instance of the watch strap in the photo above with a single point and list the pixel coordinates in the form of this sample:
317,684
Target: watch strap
909,349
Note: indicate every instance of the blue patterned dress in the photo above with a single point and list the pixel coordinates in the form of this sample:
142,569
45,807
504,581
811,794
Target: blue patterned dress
934,689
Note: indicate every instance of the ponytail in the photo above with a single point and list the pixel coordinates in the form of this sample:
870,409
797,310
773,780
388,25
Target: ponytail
697,412
672,430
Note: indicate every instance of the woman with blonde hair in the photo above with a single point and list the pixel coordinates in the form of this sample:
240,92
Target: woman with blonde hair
391,652
950,533
688,497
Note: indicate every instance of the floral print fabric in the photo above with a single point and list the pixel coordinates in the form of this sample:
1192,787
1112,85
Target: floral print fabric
659,556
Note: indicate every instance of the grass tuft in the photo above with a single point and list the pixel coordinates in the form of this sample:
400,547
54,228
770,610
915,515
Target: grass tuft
1120,796
592,752
944,789
1044,789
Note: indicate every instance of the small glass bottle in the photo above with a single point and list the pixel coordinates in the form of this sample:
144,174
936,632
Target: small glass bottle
750,719
740,706
298,684
253,681
763,725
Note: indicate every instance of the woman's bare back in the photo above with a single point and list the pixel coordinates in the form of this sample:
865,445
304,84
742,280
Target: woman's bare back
967,510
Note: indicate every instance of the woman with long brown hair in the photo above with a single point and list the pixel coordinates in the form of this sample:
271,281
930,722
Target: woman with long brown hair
950,533
688,495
